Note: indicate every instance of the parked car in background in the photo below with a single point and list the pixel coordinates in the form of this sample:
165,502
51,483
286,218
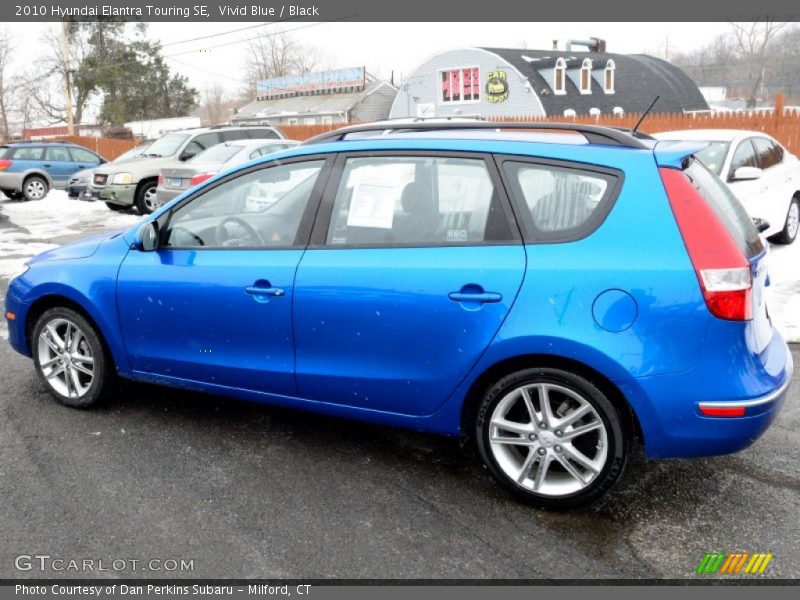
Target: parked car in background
554,297
29,170
78,185
135,182
760,172
176,178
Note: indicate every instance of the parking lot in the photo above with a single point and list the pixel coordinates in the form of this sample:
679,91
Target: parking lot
247,490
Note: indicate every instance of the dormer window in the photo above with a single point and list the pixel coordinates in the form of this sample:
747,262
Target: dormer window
608,77
559,77
586,76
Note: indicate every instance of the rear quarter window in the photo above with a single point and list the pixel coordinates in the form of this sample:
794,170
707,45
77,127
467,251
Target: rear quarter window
727,208
560,203
27,153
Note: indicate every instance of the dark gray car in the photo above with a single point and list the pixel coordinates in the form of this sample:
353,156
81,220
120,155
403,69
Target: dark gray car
180,176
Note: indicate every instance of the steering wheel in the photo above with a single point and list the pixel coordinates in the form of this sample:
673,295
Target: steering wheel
222,233
179,231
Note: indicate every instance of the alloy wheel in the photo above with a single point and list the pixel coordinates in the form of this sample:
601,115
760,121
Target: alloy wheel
35,189
150,200
548,438
65,358
792,220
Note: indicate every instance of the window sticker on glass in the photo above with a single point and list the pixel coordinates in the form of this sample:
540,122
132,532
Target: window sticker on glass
372,205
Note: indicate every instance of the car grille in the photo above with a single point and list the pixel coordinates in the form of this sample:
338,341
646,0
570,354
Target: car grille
100,179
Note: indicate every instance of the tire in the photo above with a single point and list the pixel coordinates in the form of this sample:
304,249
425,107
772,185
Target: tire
146,201
789,232
514,457
35,187
78,386
115,207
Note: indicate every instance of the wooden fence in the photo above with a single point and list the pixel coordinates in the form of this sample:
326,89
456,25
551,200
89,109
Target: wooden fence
783,125
108,148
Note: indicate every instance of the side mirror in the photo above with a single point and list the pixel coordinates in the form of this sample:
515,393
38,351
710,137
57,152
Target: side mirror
148,237
186,155
746,174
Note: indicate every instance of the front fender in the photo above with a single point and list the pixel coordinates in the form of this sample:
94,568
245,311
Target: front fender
90,283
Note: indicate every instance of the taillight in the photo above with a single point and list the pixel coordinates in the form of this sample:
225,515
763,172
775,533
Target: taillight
4,164
722,269
160,180
200,178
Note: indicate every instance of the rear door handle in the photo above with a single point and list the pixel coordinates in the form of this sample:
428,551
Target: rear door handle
254,290
482,297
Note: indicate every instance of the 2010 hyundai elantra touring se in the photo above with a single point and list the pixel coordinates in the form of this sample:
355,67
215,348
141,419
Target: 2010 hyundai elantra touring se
551,295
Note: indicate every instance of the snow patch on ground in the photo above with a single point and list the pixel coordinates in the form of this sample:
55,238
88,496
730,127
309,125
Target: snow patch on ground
33,227
783,299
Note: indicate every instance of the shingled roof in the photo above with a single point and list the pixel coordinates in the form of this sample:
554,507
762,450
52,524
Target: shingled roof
638,79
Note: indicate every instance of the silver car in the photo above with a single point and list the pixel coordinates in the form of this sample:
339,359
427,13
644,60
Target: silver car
176,179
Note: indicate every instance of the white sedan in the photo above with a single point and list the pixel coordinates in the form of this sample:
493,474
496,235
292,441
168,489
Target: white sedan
758,170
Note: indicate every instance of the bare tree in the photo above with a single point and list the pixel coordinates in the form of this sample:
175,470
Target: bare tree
215,104
276,55
753,43
6,91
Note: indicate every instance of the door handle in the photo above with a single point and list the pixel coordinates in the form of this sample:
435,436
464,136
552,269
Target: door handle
48,165
480,297
255,290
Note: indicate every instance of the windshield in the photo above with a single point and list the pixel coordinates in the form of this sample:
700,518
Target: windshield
167,145
713,156
220,153
132,153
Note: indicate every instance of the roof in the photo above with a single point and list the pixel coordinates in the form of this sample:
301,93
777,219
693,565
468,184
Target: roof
315,104
709,135
638,78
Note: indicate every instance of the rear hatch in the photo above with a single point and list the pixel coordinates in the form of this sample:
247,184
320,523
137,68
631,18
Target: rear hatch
741,228
728,254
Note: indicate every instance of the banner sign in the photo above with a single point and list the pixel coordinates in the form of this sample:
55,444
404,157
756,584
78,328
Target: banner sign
336,80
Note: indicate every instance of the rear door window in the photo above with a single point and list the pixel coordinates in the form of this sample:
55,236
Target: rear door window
768,152
417,201
59,154
560,203
727,207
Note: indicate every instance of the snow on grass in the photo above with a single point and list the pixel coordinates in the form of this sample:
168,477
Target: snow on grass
783,299
33,227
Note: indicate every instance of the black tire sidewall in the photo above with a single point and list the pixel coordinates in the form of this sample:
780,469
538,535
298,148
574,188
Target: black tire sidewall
38,178
115,207
619,437
102,373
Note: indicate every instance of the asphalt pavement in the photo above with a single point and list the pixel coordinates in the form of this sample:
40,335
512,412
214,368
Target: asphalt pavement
246,490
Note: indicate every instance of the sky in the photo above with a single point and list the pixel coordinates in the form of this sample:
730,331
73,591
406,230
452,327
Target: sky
382,47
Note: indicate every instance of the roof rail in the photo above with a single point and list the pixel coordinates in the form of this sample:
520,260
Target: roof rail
594,134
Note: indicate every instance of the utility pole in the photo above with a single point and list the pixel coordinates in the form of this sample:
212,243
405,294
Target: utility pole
67,81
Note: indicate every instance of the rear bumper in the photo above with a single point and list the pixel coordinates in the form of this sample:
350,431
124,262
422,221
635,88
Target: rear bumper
11,181
164,194
669,407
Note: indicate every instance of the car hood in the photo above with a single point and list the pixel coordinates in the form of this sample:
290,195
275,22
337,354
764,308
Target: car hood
139,167
82,248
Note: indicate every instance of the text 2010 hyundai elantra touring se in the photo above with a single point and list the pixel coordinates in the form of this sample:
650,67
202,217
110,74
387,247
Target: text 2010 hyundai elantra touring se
551,295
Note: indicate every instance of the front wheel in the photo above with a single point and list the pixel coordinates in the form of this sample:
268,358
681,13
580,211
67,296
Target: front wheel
789,232
69,358
115,207
146,201
552,438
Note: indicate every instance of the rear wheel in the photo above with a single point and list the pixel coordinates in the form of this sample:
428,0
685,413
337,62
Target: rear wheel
115,207
551,438
146,201
35,188
69,358
789,232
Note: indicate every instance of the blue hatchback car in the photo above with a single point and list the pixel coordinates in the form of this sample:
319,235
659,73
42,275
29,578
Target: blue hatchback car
553,296
29,170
